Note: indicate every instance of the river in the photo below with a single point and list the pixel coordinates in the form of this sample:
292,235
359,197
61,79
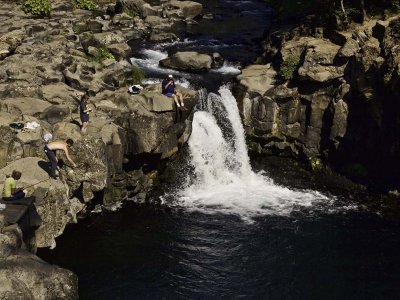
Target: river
229,226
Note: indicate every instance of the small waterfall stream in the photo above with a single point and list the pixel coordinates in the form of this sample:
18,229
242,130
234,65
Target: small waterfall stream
222,179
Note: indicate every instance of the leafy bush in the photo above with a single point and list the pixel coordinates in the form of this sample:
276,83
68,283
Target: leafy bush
137,75
37,7
85,4
288,67
102,54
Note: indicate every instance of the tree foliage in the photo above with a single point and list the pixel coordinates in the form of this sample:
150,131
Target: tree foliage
346,10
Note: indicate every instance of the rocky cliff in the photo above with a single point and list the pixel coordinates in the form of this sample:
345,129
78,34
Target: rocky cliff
46,65
330,97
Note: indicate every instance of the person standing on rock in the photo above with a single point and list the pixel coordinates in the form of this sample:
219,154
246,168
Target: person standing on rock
168,89
84,112
10,190
50,149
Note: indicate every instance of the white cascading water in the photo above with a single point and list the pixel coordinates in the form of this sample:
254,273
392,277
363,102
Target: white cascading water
223,180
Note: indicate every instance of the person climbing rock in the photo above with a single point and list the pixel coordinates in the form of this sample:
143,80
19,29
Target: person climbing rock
84,112
168,89
10,190
50,149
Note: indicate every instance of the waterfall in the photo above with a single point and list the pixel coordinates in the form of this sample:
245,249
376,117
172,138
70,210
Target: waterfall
222,178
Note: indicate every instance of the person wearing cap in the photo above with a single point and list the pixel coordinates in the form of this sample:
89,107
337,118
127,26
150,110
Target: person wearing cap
168,89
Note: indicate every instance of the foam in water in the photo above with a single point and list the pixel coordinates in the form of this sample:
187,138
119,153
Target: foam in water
223,180
151,61
151,58
227,68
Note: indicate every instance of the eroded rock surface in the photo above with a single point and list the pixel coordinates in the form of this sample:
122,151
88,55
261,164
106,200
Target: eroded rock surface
338,100
46,65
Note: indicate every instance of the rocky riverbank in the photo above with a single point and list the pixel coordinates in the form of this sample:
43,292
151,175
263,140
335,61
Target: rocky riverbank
328,97
47,64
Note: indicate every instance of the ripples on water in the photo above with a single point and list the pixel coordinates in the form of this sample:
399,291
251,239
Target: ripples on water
145,253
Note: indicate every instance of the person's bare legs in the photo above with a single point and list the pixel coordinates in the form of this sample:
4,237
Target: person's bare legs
180,97
84,127
176,101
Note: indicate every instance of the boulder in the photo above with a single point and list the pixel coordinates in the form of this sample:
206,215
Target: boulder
108,38
26,106
157,102
349,49
120,50
52,201
55,114
90,155
60,93
129,5
25,276
158,22
190,9
294,47
188,61
257,78
319,64
339,124
163,37
218,60
10,41
148,10
10,147
67,130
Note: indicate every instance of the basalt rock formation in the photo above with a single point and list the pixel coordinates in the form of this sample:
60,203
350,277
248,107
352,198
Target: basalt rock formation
46,65
332,98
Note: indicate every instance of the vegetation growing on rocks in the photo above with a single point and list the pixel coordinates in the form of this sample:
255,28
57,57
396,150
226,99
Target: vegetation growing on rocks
288,67
85,4
137,75
102,54
326,11
37,7
130,12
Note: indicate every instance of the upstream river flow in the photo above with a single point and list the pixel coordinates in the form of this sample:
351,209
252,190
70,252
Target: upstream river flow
228,226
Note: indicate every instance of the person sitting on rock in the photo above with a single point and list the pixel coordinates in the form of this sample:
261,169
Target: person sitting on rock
168,89
84,112
10,190
50,149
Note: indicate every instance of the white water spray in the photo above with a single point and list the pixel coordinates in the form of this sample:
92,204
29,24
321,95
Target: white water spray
223,180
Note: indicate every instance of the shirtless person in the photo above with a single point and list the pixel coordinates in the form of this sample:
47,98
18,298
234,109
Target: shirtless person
57,145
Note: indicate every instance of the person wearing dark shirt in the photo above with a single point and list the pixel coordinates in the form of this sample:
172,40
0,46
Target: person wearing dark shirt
84,112
168,89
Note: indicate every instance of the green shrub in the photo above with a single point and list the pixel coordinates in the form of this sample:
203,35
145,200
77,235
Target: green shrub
288,67
85,4
37,7
102,54
130,12
137,75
